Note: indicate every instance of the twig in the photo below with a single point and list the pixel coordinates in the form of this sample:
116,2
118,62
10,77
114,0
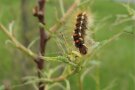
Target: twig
39,13
17,43
56,84
56,26
62,7
102,45
58,79
27,51
80,83
49,80
105,43
45,80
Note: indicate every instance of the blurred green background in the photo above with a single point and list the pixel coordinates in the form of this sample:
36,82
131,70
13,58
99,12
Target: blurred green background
117,69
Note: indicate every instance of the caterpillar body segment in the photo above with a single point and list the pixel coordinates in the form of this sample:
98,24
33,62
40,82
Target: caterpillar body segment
80,32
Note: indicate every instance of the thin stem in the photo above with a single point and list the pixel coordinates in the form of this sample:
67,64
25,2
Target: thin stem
80,83
105,43
97,78
62,7
56,26
39,13
17,43
52,80
34,56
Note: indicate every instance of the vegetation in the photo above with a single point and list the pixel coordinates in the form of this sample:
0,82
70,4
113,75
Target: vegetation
109,66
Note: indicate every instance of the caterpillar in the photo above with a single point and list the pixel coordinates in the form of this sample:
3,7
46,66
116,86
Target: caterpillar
80,32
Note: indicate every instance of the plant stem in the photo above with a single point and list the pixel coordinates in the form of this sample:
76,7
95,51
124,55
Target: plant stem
97,78
17,43
56,26
39,13
80,83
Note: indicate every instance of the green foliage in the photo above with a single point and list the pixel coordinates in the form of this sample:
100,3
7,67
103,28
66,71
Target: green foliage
109,67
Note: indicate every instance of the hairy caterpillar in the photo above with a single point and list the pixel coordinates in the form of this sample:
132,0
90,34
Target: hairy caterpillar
80,32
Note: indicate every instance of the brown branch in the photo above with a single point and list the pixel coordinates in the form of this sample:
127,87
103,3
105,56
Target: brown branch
39,13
